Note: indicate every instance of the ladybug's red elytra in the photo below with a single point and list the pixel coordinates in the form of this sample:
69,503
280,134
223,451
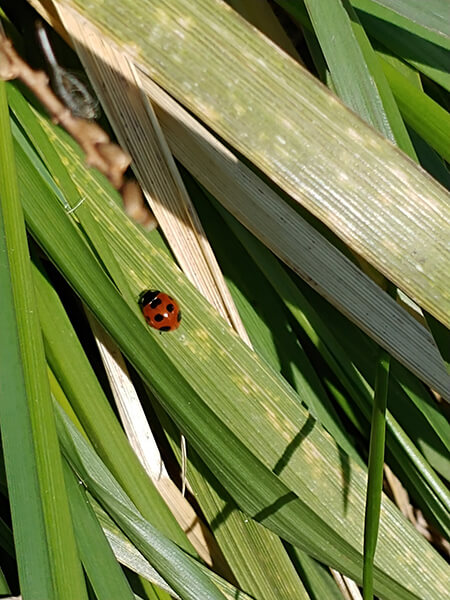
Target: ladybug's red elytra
160,310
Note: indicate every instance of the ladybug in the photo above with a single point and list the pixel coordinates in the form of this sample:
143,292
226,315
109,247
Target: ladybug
160,310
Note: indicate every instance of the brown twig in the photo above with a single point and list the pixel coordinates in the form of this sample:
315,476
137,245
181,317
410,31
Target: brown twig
100,152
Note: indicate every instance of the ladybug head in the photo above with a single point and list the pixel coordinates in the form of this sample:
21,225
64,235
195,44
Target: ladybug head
147,296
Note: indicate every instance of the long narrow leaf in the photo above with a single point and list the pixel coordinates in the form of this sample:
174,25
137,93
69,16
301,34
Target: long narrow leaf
355,71
105,575
67,579
19,455
222,403
375,471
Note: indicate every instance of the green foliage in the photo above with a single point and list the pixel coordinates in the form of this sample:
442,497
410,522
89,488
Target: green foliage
278,435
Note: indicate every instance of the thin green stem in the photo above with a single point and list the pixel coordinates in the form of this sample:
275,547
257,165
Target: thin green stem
375,473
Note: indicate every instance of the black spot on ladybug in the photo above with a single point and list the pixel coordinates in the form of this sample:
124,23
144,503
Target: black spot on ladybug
179,316
158,318
170,307
155,303
164,328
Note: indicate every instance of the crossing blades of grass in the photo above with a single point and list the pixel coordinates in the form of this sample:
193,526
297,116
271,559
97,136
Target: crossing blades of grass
428,53
67,358
129,555
137,129
70,365
427,158
105,575
352,357
345,364
396,68
47,555
219,392
227,186
256,556
171,563
355,70
313,147
425,116
428,20
361,84
264,315
293,240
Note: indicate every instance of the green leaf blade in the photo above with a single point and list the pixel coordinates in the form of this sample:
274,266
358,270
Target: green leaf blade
62,575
